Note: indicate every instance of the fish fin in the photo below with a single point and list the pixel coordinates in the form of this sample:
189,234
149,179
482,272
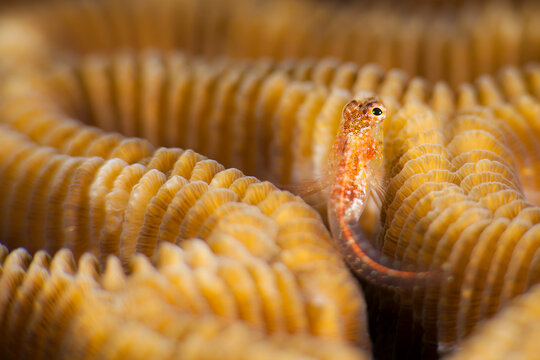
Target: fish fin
378,184
307,188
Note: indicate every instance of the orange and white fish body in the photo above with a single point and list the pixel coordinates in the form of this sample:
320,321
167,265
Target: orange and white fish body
355,156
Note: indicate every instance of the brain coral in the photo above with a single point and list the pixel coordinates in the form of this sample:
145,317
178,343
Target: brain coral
159,312
513,333
176,254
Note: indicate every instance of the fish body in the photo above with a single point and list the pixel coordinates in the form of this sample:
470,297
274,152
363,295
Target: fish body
354,159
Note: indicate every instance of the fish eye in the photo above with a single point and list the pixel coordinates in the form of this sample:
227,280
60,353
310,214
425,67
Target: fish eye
377,111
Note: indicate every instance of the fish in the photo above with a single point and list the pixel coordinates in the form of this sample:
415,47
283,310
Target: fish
354,161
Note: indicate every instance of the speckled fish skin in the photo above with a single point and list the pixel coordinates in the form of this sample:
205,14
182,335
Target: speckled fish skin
355,154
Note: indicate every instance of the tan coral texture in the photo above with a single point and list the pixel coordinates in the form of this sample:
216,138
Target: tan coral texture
512,334
133,135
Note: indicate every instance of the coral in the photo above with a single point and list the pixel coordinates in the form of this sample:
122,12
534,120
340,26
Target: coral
91,121
160,310
513,333
454,203
455,45
108,206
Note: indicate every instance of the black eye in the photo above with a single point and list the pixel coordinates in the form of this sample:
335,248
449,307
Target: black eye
376,111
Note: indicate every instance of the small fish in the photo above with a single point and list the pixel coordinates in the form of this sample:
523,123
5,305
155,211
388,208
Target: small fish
354,159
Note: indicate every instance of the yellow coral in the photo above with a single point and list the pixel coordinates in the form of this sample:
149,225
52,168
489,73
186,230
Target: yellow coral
160,312
255,262
512,333
458,45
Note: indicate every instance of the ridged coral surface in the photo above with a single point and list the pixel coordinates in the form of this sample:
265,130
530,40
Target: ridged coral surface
162,310
126,128
512,334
